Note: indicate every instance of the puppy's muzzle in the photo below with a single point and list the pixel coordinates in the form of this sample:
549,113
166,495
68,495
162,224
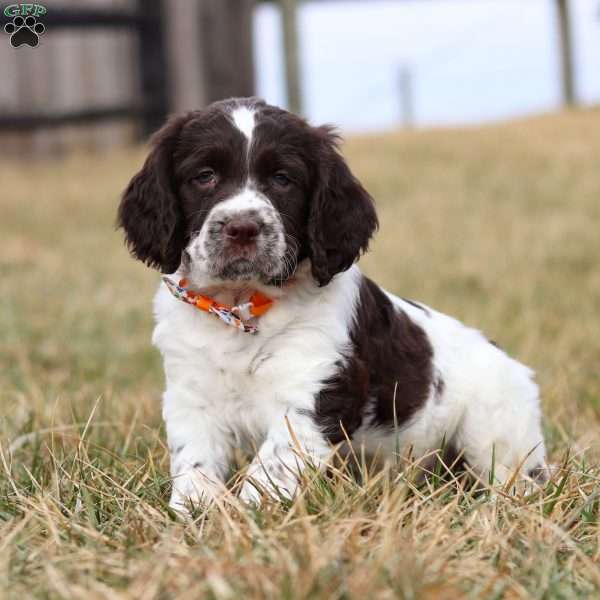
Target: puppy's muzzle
242,231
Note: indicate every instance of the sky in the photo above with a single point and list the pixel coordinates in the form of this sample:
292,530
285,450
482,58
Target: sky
470,61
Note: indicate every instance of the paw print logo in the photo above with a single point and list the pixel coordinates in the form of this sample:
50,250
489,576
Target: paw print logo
24,31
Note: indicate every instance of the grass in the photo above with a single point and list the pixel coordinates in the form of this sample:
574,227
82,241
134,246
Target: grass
499,226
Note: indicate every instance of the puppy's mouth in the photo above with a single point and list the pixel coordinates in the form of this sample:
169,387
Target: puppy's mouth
239,269
245,246
232,253
231,262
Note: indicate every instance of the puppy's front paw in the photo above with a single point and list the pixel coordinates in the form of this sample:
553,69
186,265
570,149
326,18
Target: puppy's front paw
274,480
181,505
250,494
185,504
192,490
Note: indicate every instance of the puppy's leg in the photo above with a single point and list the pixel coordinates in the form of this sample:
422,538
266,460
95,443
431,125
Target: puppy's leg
200,453
290,446
501,433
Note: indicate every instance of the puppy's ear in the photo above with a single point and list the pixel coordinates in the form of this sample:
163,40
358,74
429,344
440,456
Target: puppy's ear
149,212
342,216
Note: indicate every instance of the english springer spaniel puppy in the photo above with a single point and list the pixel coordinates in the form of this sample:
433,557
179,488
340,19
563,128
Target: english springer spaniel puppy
273,339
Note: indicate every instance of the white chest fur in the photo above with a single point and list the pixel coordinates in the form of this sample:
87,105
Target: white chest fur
247,380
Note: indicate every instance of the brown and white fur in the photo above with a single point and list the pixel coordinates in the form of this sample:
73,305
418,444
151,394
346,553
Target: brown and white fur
243,196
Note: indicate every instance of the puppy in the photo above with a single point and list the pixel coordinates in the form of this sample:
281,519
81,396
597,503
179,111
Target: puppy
272,339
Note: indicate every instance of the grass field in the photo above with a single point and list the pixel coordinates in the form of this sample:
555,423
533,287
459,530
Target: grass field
499,226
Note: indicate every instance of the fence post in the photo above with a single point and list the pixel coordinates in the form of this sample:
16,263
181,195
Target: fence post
153,72
566,53
185,58
226,38
289,21
406,96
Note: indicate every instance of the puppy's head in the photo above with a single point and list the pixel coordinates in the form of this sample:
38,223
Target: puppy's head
244,191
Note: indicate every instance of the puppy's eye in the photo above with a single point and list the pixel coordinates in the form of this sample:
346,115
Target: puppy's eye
205,177
281,179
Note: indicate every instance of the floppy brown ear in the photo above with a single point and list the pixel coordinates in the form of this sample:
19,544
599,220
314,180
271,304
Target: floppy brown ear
149,212
342,216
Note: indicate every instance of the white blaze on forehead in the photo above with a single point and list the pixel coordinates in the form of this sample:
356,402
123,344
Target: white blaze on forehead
243,119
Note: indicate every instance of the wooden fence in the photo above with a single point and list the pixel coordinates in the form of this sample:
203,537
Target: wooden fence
150,108
109,71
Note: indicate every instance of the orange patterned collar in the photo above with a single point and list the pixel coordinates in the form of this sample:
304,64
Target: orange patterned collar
235,316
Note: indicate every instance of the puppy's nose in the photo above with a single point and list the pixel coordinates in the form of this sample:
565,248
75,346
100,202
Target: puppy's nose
242,230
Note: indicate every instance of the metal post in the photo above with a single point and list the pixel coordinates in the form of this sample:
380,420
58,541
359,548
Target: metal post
566,53
406,96
289,21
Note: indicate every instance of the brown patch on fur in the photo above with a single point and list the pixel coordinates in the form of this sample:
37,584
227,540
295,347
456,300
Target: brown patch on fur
390,370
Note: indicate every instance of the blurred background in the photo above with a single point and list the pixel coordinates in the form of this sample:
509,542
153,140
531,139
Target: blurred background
107,72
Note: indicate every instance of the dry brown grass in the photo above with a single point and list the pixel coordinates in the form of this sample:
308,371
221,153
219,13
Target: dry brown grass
499,226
